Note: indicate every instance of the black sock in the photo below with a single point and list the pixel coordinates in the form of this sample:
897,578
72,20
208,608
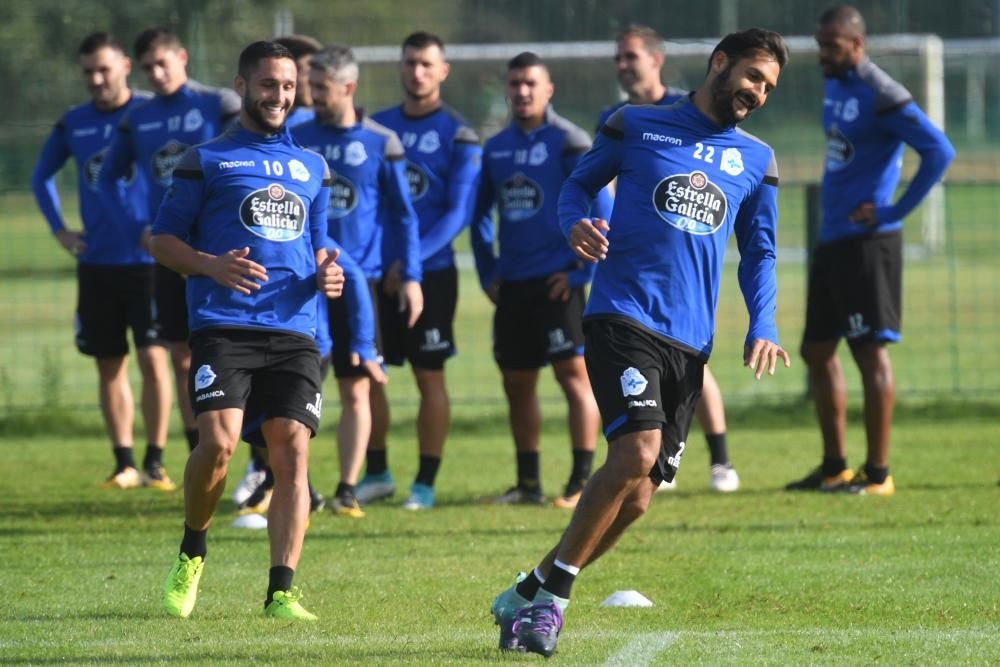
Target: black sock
717,448
192,438
559,582
279,578
527,470
123,458
428,469
529,587
583,461
344,489
833,466
194,543
153,458
257,455
876,475
377,461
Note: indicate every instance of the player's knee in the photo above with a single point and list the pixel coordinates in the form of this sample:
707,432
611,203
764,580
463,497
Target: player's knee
633,455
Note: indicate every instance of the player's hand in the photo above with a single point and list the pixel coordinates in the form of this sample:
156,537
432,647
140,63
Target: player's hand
493,291
330,276
587,240
72,242
146,237
373,369
864,214
558,286
411,301
392,279
764,354
235,271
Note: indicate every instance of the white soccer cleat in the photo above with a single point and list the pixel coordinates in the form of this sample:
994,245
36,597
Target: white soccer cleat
723,478
252,478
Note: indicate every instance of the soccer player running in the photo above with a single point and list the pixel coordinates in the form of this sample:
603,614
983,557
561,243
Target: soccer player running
536,283
368,191
256,474
855,283
154,136
245,219
639,58
114,275
442,165
687,179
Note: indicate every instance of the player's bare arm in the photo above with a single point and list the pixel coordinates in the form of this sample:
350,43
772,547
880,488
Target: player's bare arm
587,240
764,354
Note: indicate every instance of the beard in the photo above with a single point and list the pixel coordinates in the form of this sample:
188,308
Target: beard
251,106
724,94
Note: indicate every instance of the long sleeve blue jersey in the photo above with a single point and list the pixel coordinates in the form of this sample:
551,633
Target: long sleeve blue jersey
521,177
443,158
155,135
684,185
263,192
368,189
84,133
868,117
670,96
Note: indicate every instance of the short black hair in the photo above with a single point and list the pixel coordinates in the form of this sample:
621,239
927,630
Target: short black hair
253,54
737,45
152,38
844,15
299,45
422,40
99,40
524,60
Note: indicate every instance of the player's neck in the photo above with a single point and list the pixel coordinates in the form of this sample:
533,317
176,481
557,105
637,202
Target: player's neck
530,123
120,100
346,117
648,95
421,106
702,100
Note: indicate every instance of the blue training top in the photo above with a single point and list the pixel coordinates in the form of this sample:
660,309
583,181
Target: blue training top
670,96
868,117
368,189
263,192
522,175
443,158
84,133
684,185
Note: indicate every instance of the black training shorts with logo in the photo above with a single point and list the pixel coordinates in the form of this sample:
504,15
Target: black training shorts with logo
855,290
531,330
170,313
340,333
276,371
431,340
111,300
642,382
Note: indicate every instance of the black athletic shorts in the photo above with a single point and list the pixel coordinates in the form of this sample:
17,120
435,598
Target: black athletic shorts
431,340
268,374
531,330
641,382
340,332
855,290
170,313
110,300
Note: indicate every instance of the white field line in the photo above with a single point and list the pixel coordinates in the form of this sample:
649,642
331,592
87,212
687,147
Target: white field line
666,638
642,649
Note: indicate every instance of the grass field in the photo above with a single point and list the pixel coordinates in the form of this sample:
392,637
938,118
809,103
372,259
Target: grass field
757,577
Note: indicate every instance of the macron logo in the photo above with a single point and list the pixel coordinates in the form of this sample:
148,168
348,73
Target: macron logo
663,138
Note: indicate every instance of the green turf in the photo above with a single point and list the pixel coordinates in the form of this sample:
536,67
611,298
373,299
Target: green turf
758,577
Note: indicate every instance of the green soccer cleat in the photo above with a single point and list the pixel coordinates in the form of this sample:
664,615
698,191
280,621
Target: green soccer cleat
505,608
285,606
180,590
